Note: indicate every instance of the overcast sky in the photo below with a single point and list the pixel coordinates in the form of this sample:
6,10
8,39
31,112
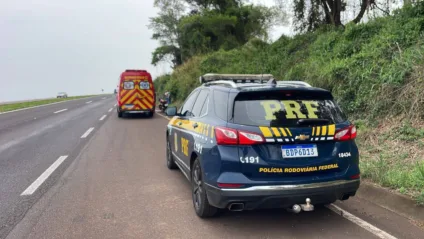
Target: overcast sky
78,46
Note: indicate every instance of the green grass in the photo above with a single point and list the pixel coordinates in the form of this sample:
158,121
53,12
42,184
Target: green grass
22,105
395,159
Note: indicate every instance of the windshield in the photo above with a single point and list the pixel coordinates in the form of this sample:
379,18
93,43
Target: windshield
279,113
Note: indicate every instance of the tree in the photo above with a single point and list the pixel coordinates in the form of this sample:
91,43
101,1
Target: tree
165,30
220,5
311,14
211,25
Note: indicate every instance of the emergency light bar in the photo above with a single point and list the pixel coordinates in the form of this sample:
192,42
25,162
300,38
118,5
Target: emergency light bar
236,78
135,70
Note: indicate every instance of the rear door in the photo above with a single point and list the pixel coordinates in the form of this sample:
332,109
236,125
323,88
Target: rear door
126,92
144,97
299,136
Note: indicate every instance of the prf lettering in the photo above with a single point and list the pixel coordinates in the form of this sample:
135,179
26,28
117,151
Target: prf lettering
291,107
184,146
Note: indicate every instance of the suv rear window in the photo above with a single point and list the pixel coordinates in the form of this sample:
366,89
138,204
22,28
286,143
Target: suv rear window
285,112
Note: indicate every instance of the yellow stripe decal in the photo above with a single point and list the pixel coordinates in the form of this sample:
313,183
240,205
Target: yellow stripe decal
324,130
212,132
288,131
265,131
206,130
276,133
313,131
283,132
331,129
318,131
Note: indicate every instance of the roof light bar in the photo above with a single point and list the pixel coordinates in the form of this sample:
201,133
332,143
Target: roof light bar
237,78
291,83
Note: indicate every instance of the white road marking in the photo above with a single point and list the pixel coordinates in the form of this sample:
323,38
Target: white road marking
374,230
40,180
60,111
110,110
88,102
115,105
102,118
103,98
158,110
87,133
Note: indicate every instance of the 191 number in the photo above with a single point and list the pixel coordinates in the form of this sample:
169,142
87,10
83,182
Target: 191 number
249,159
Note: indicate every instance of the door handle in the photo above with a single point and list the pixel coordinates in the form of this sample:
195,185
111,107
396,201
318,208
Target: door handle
195,125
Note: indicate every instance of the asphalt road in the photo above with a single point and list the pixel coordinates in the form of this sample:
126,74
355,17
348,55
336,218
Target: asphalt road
31,140
114,184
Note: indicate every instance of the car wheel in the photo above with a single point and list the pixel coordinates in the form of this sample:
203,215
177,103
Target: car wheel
200,200
119,114
169,159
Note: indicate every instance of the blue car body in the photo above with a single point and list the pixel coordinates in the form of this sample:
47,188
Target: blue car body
265,145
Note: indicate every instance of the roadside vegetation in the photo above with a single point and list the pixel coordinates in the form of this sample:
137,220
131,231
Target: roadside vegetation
375,70
16,106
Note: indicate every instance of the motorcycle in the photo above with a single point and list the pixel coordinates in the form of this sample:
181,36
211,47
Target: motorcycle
163,104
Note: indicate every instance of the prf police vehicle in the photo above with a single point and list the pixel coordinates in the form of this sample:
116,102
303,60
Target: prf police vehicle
249,141
136,93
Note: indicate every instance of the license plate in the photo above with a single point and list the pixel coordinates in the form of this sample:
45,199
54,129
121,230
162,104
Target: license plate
299,151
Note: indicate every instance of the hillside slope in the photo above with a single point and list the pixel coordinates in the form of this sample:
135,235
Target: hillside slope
375,71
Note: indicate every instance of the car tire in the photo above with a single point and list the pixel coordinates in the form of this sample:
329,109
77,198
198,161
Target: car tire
119,114
200,200
170,163
150,114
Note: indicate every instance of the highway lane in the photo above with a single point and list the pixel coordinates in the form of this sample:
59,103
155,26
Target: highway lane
9,120
29,146
119,187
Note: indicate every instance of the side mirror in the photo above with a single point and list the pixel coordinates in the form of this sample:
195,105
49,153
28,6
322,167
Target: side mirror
171,111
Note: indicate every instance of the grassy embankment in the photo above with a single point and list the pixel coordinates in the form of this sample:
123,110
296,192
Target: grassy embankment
375,71
27,104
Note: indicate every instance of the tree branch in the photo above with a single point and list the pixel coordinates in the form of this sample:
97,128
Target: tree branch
364,6
327,11
384,11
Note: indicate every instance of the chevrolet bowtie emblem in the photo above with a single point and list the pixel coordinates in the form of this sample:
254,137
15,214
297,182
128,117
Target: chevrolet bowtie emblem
302,137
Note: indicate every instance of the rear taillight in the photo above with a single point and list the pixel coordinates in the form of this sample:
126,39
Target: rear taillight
247,138
227,136
345,134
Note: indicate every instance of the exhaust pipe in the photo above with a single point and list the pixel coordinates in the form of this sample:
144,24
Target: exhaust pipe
295,209
236,207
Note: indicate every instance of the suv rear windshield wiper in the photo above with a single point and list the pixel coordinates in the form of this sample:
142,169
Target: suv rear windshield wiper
310,122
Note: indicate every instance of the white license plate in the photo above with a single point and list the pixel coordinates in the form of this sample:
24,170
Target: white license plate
299,150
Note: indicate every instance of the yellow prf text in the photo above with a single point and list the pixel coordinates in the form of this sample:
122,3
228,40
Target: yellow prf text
292,109
184,146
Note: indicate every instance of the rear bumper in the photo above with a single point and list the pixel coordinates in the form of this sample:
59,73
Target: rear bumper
137,111
282,196
145,111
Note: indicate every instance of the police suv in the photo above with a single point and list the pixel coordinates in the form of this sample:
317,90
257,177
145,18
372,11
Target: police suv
249,141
